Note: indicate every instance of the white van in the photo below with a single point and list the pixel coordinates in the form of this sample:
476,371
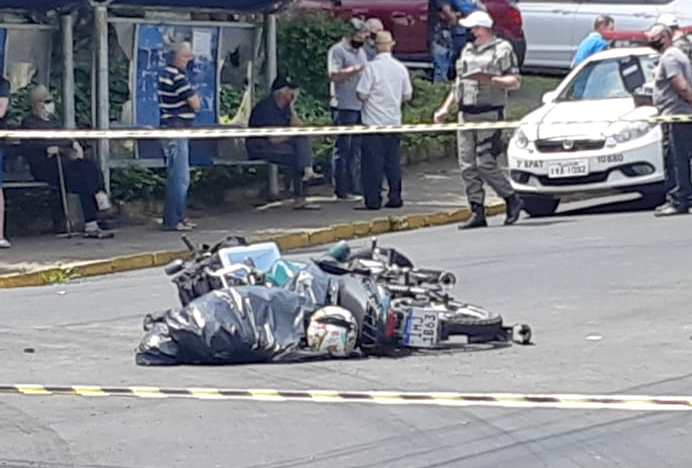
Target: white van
554,28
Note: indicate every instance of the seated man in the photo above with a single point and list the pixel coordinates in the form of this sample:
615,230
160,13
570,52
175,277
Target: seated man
277,111
82,176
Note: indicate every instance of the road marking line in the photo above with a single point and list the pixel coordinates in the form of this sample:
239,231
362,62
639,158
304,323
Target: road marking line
503,400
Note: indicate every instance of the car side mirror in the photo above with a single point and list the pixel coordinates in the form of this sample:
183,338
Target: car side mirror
549,97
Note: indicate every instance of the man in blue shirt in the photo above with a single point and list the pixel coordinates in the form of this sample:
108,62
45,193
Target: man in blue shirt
447,37
594,42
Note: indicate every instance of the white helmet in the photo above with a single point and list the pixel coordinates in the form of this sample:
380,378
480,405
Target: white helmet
332,329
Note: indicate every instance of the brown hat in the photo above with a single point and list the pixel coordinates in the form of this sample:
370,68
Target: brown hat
384,37
39,94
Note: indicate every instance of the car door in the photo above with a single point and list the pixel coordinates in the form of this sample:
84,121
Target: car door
549,31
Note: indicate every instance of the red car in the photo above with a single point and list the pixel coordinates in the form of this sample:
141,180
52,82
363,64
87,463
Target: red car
408,22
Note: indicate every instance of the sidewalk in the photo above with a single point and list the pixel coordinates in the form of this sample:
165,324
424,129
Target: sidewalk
434,189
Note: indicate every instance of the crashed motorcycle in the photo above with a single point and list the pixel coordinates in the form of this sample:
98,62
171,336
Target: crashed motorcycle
246,303
421,311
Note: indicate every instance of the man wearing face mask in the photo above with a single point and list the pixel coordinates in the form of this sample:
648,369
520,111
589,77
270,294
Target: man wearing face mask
345,61
374,26
277,110
673,96
680,39
82,176
486,69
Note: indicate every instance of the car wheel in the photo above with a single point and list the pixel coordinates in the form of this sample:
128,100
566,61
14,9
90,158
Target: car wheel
537,206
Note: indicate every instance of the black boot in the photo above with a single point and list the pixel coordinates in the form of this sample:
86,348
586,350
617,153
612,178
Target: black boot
514,207
477,218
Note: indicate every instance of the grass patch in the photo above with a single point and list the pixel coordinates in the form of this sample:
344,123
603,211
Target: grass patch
59,277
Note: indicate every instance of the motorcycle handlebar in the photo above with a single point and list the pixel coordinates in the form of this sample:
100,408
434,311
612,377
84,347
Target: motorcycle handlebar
191,247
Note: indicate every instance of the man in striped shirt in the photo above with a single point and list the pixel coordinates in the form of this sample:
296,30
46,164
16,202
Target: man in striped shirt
178,104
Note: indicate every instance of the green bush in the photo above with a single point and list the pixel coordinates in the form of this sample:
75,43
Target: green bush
427,97
303,43
133,183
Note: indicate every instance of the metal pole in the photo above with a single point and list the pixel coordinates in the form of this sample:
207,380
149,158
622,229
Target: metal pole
103,102
68,72
256,49
270,27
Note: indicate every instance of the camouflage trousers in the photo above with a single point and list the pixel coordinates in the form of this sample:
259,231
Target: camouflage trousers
478,152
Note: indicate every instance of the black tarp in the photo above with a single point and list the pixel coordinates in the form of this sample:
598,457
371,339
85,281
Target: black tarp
246,324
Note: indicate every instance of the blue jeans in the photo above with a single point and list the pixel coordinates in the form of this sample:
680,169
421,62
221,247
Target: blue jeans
442,57
345,152
177,157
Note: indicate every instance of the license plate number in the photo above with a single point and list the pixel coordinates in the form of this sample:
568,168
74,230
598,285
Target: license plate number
568,169
422,328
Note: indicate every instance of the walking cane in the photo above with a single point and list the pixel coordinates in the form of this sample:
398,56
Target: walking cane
63,194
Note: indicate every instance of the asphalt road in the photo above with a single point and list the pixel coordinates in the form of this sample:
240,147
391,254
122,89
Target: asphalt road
608,296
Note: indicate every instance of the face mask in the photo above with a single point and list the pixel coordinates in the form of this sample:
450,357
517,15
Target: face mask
50,108
656,45
356,44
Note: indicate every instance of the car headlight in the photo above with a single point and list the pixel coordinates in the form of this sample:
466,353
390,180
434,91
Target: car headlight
520,138
621,132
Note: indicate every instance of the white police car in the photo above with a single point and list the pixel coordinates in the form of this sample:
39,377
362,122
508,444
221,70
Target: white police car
585,136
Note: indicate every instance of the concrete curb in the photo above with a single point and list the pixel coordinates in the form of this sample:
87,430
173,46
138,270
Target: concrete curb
286,242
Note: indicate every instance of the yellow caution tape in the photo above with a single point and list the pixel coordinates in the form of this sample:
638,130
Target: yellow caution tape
235,132
513,400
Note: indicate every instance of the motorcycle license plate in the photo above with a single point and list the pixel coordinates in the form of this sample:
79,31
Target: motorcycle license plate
422,328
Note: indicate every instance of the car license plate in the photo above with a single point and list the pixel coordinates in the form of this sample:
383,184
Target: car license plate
576,168
422,328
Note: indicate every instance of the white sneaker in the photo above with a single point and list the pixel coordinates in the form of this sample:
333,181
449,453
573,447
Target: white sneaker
4,243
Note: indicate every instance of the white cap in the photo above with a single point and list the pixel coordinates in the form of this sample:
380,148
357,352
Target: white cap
477,18
669,19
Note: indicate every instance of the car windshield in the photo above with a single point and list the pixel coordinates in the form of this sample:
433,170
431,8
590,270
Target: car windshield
602,80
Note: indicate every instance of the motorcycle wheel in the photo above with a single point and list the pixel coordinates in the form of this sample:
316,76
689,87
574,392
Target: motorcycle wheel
470,320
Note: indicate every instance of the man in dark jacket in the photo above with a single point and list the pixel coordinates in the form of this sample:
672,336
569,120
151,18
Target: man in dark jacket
278,110
82,176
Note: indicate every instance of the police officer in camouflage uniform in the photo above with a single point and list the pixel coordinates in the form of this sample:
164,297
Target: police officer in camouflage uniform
486,69
680,39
